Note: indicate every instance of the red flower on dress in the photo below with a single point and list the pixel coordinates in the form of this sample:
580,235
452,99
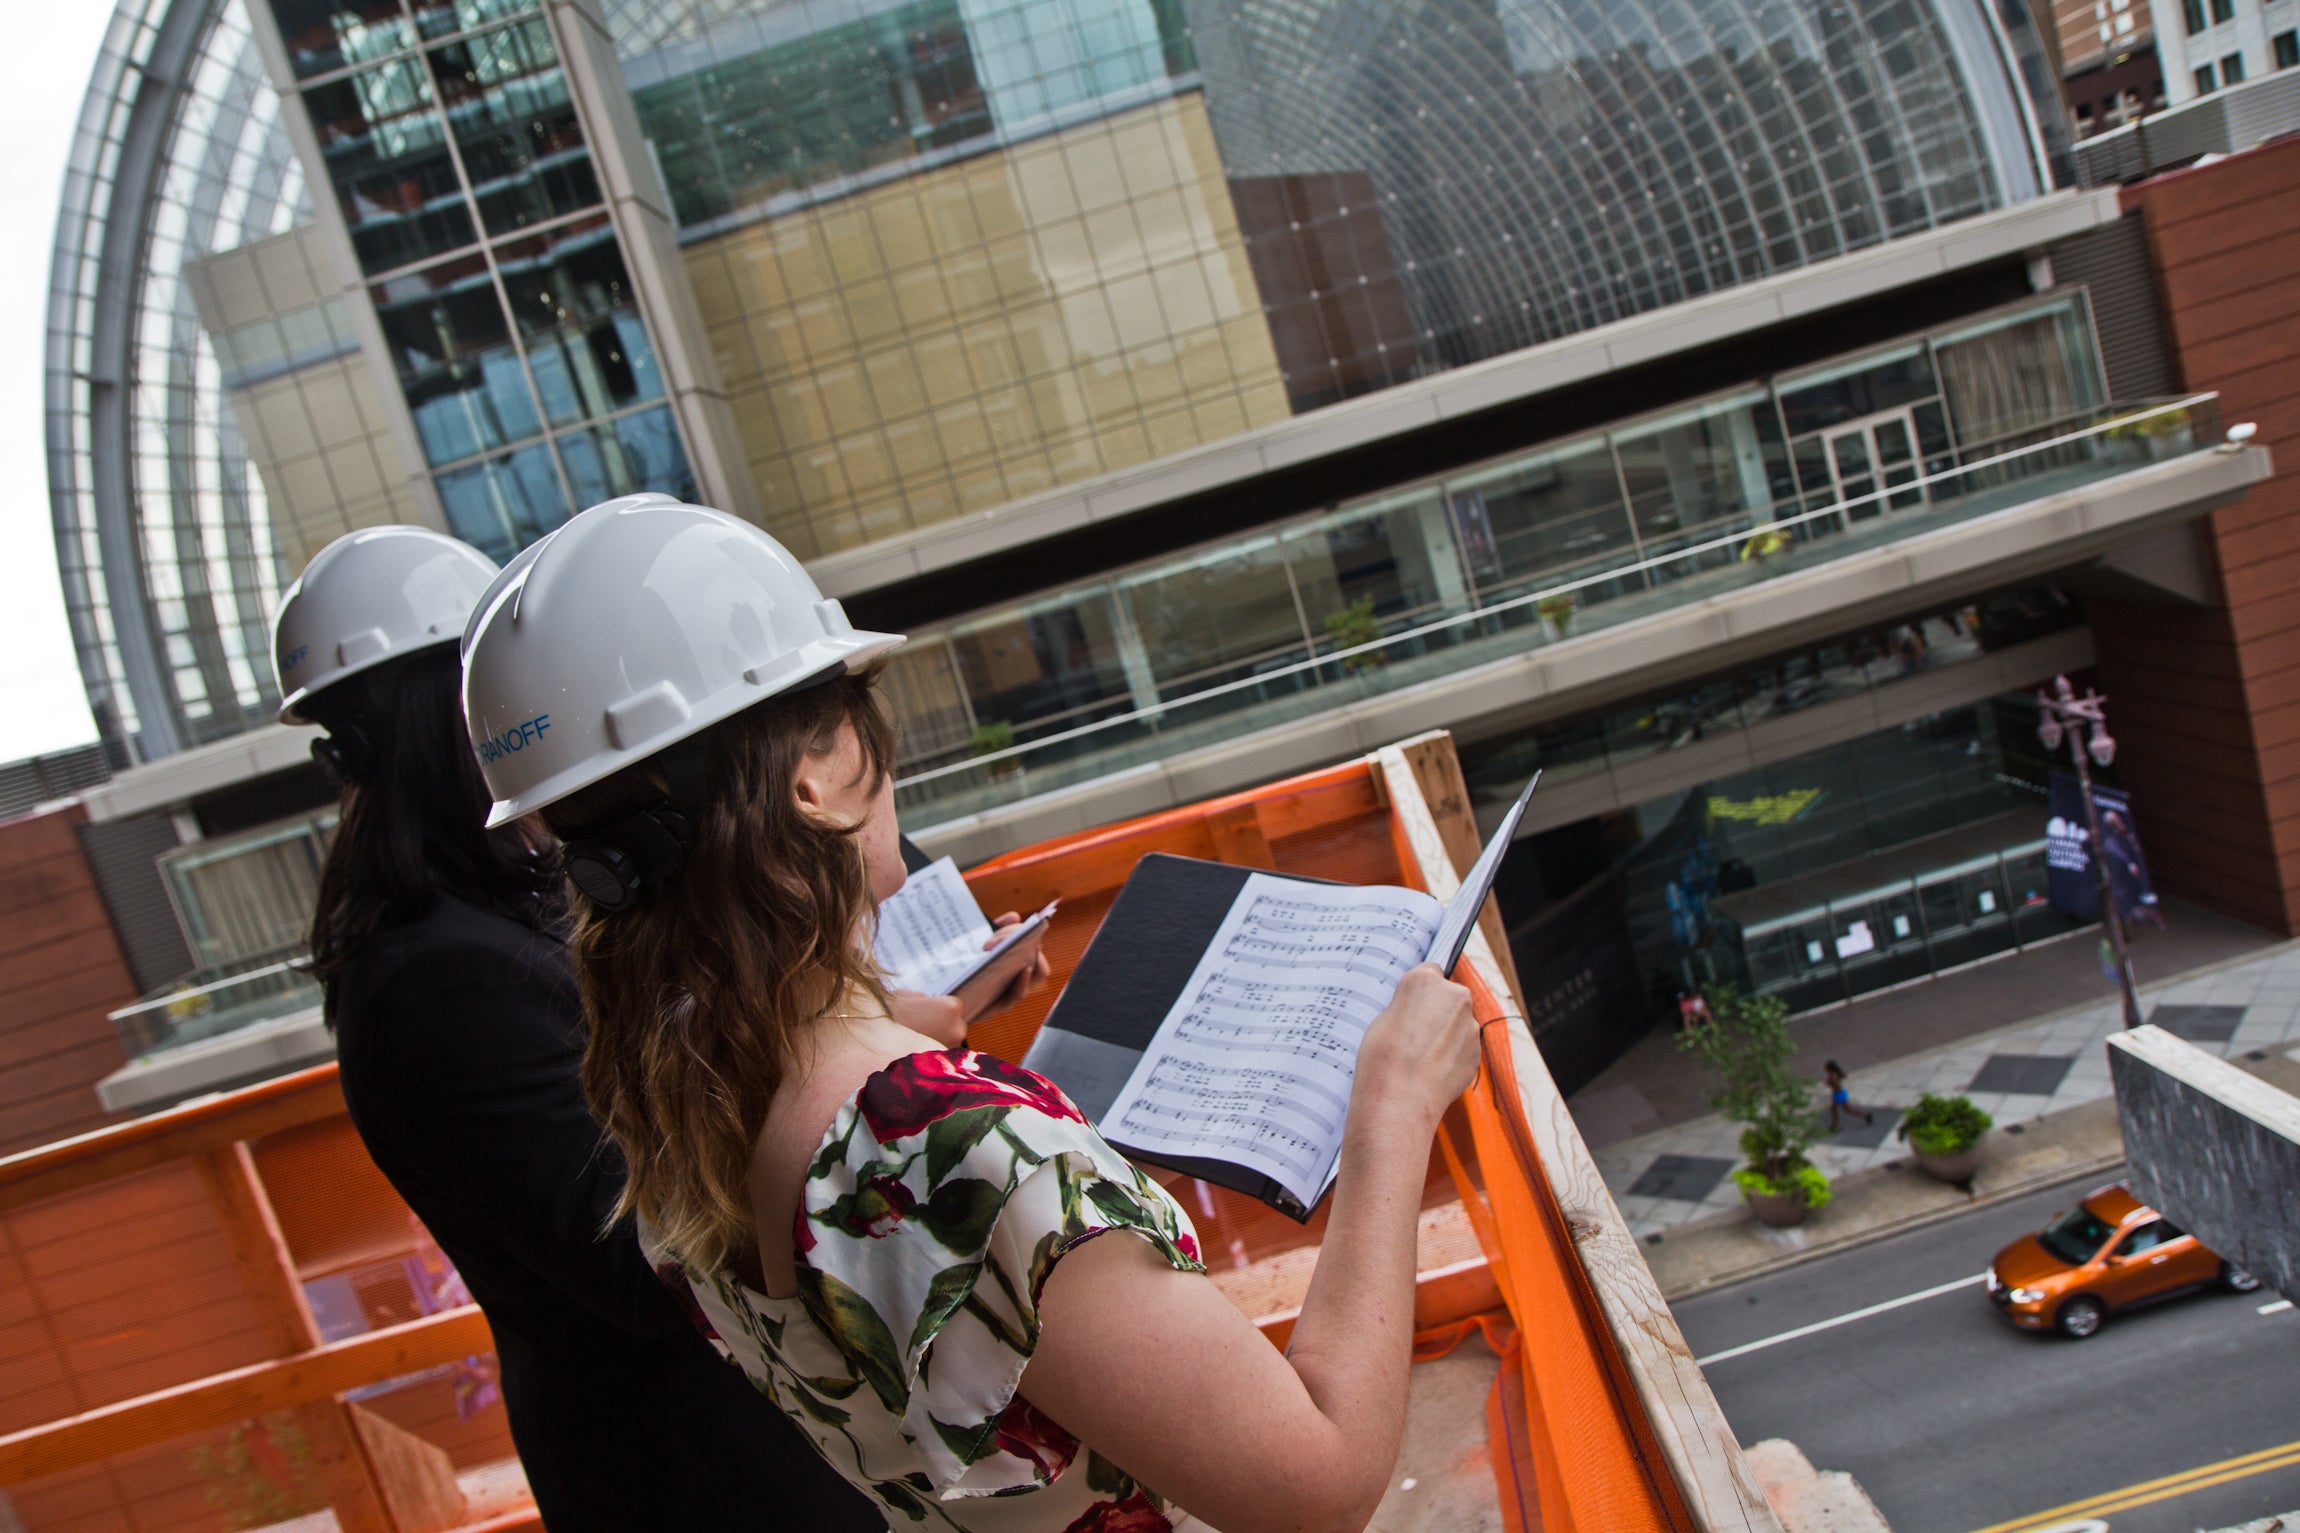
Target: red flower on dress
1136,1514
1028,1433
911,1093
1189,1246
802,1232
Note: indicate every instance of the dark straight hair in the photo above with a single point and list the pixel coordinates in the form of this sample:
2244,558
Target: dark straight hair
414,825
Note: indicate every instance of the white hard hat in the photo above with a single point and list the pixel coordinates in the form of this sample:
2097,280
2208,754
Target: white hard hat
639,623
367,597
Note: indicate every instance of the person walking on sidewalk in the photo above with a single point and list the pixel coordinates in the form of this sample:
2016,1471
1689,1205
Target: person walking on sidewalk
1841,1100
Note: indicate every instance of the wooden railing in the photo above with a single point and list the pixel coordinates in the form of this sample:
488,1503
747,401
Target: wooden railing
1605,1425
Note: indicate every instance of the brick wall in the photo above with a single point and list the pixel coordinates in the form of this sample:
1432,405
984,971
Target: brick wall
60,973
2206,701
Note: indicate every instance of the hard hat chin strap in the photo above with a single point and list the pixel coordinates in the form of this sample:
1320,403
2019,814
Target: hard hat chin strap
617,864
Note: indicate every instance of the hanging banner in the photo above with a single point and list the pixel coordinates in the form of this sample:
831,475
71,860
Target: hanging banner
2072,885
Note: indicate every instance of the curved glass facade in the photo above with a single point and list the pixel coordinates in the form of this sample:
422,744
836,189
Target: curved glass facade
1069,236
947,254
162,532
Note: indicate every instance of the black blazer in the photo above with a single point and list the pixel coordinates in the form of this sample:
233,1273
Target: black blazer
460,1036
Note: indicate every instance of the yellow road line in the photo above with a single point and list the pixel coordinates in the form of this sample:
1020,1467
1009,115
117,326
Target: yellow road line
2162,1488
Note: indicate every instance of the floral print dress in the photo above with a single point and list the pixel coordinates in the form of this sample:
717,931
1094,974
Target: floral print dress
941,1196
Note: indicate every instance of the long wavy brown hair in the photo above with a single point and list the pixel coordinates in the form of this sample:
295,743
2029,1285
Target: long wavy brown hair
699,996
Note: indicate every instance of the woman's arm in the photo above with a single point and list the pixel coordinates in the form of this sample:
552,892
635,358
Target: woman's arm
1162,1375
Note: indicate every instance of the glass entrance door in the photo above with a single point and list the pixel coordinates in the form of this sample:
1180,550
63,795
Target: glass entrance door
1876,454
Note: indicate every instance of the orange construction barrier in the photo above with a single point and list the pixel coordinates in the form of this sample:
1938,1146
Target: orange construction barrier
166,1369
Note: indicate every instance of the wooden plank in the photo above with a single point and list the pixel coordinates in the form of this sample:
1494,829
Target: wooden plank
1703,1456
416,1477
238,1393
1237,836
267,1273
1436,769
107,1154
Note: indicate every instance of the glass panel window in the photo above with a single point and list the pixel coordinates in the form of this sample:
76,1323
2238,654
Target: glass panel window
577,316
2204,83
1222,616
386,152
2224,10
1851,390
502,505
834,100
323,35
1551,513
1720,461
2287,46
514,121
2192,12
637,452
2232,69
451,345
442,18
1048,666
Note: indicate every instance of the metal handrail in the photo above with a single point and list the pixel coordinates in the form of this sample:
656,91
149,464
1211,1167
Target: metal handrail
1546,593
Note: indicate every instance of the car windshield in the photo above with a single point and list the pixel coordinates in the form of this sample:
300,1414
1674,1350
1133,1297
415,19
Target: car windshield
2076,1235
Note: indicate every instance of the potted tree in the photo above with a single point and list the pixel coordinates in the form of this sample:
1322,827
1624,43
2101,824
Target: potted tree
1352,626
1746,1045
988,740
1557,613
1946,1134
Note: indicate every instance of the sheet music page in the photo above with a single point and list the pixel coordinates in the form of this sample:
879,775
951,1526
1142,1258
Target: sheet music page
1253,1064
930,935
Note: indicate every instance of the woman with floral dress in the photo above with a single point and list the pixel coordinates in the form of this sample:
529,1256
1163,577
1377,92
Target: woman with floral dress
898,1242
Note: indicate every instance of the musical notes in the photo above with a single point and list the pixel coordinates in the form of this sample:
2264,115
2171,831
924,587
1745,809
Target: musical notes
1255,1061
931,935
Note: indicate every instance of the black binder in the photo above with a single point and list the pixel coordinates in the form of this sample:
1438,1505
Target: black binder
1133,972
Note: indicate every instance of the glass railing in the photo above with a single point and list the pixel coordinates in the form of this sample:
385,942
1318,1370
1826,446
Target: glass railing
1700,560
270,989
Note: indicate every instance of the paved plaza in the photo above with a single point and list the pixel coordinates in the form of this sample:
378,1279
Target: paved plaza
2017,1074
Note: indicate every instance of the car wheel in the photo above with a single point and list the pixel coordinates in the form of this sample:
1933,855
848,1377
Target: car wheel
2080,1317
2236,1280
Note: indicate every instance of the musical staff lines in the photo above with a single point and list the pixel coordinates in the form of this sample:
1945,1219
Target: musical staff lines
1255,1061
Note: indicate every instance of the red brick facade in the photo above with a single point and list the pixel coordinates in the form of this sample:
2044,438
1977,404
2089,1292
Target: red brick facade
2206,701
60,972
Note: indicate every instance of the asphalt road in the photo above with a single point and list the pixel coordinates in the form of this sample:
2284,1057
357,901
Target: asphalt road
1955,1422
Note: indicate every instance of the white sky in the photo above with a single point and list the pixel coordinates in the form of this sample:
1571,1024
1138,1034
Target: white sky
43,74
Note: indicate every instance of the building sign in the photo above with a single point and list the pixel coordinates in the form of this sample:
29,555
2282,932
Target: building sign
1765,809
2071,882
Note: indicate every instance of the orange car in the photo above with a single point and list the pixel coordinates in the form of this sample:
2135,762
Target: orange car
2109,1252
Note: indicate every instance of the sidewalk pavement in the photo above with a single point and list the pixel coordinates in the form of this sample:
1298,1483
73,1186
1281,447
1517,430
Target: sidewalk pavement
2045,1082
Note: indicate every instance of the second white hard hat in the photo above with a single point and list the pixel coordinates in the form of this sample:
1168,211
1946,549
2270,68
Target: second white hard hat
639,623
368,597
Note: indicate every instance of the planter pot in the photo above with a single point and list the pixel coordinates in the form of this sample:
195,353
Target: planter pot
1778,1210
1957,1166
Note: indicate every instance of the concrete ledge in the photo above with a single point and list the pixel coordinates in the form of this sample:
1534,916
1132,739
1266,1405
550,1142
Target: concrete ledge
180,778
1407,408
238,1058
1663,649
2213,1147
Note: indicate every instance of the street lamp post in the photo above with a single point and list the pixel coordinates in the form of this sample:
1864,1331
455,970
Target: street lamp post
2081,720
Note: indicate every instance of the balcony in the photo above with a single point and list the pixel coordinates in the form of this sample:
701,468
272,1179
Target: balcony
1871,522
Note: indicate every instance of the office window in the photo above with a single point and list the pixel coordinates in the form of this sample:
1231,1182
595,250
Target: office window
2223,10
2287,46
2232,69
2204,81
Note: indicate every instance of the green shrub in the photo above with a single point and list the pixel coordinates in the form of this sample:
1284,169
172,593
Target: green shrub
1943,1125
1354,625
1746,1045
1805,1181
991,738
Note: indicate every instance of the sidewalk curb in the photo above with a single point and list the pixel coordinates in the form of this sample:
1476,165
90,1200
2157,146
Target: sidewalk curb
1884,1231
